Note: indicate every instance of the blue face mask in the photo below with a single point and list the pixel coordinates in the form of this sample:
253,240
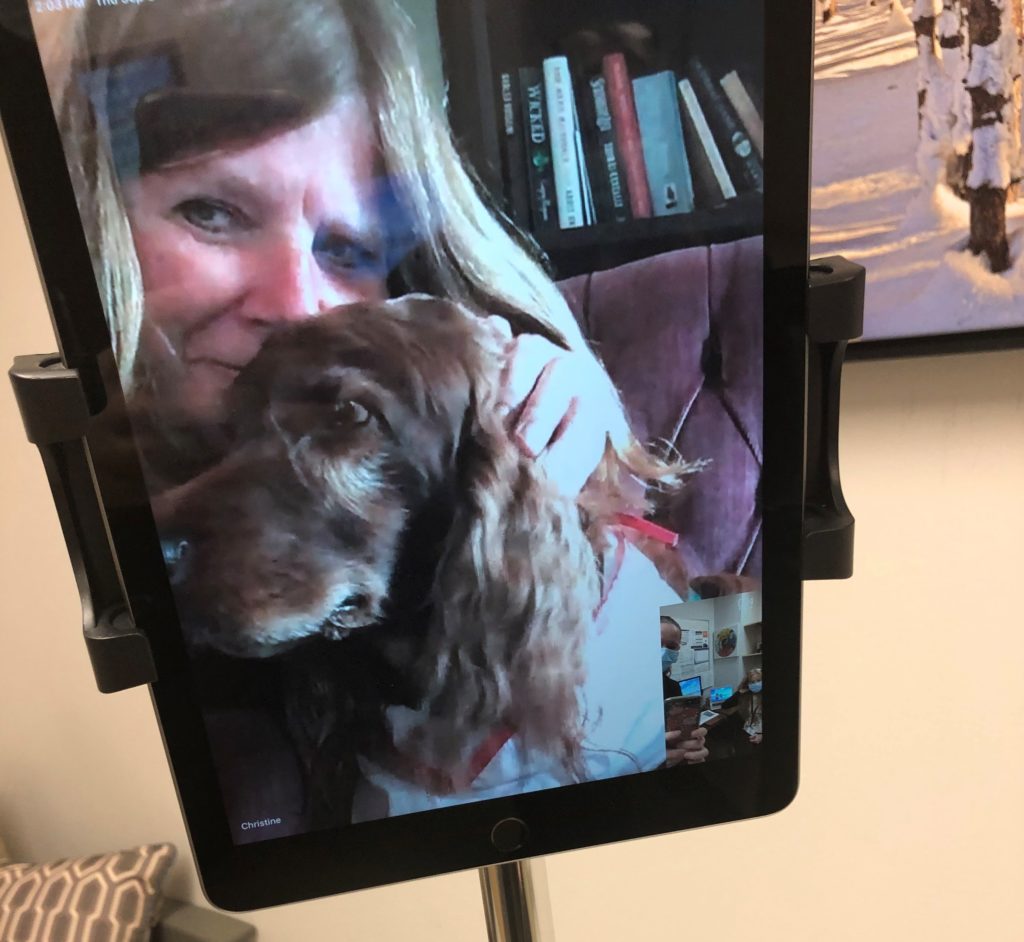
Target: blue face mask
668,658
756,686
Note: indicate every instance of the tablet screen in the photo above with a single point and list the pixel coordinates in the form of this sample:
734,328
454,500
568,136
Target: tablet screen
448,397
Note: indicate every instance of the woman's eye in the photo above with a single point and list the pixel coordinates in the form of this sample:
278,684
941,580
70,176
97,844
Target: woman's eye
213,217
339,254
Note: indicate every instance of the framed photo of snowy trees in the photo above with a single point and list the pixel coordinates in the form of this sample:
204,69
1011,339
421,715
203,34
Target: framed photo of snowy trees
918,167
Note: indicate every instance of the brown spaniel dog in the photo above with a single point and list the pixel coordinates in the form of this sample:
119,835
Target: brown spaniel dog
373,519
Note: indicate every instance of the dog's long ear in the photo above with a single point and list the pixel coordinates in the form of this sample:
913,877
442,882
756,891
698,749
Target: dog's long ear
515,592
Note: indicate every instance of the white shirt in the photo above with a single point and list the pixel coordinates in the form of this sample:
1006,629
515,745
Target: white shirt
621,702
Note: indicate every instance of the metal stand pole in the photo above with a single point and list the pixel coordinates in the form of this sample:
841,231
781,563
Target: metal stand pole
516,902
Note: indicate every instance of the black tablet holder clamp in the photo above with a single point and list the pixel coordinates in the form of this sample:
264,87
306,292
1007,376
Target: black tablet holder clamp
835,316
56,414
55,411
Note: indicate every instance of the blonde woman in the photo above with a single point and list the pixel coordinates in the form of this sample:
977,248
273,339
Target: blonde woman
265,82
241,164
744,710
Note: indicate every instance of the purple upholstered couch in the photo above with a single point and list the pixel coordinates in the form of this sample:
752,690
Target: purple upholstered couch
681,336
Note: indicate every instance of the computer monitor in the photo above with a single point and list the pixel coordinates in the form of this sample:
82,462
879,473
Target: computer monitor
690,687
720,695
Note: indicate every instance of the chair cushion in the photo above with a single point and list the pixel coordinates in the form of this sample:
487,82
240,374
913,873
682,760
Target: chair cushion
681,335
103,898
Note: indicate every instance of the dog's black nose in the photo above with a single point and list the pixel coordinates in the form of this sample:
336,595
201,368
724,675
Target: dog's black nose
176,550
352,602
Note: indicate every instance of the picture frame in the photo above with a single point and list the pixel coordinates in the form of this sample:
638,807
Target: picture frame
900,201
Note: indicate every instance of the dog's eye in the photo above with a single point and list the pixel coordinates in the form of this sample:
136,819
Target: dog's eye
352,413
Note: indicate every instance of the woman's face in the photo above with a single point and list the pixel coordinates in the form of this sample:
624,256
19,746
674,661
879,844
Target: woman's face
238,243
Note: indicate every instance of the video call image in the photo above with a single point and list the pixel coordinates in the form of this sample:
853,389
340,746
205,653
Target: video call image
712,672
453,460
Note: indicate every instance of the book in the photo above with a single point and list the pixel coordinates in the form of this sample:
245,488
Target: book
540,175
661,135
589,213
745,108
596,183
745,166
712,183
622,106
611,191
513,151
566,145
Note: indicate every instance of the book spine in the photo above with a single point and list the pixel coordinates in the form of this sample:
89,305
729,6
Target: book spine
740,99
736,144
589,210
718,181
586,186
517,190
613,201
590,160
661,133
565,145
539,174
627,133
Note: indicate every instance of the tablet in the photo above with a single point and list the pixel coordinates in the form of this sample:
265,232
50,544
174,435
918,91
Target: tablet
419,404
690,687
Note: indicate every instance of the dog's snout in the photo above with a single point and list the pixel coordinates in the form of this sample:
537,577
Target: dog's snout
176,551
354,611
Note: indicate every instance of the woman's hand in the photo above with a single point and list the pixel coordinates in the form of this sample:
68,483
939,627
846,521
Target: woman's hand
690,751
561,409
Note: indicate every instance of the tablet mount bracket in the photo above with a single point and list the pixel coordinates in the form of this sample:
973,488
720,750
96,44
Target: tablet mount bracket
835,316
56,414
55,411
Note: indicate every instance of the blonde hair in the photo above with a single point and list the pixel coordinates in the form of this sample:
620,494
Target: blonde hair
469,251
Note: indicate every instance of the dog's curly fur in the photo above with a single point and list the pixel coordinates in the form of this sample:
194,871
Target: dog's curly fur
373,494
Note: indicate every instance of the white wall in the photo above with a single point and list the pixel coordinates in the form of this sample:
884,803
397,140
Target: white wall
909,820
728,670
729,611
691,615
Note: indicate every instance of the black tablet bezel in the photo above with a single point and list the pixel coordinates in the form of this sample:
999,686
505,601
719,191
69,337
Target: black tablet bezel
315,864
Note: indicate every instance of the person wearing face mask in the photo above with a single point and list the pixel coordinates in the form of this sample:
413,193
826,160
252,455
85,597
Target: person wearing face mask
693,749
671,641
753,725
743,713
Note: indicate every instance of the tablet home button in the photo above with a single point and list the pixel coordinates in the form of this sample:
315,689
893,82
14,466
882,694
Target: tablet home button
509,835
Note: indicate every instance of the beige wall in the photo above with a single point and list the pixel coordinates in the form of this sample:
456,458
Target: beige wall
909,820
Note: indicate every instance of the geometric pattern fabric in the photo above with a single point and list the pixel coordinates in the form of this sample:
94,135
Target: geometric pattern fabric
104,898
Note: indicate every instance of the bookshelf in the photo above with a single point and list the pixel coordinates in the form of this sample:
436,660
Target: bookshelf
483,39
750,646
